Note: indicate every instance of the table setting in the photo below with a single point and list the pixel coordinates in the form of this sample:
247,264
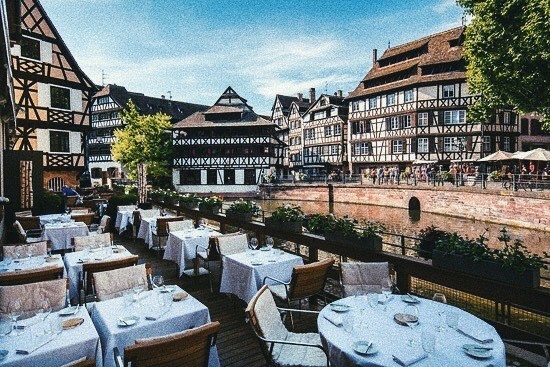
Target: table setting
404,330
142,314
60,234
147,226
31,262
123,219
55,218
32,341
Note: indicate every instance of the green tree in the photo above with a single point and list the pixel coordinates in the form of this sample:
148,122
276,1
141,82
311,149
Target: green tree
144,139
507,47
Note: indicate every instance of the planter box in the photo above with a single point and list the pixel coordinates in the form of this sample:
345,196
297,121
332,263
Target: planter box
294,227
209,210
486,269
372,244
243,217
188,205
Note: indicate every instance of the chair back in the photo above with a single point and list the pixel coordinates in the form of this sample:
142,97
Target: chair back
21,234
82,362
24,213
31,294
29,222
38,249
188,348
101,240
113,283
149,213
71,200
308,280
32,275
229,244
361,278
89,269
80,211
180,225
122,208
104,224
162,224
87,218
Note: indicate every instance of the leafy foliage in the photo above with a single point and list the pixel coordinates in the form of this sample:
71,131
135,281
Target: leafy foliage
321,224
49,203
288,213
144,139
507,48
211,202
318,223
242,206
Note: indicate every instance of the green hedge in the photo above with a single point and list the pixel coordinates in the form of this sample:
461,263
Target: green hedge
49,203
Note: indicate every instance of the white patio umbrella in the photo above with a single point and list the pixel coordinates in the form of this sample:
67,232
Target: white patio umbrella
497,156
538,154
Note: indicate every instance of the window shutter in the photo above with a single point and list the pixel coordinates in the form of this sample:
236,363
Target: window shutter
413,120
430,118
413,145
431,144
469,143
389,147
404,146
401,121
440,117
387,124
501,117
493,145
440,144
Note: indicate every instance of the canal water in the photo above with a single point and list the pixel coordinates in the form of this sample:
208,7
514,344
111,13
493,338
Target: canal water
401,221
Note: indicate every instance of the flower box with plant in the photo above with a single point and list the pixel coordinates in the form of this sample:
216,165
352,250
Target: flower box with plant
349,232
189,201
428,237
157,195
286,218
318,223
242,210
269,177
513,264
171,197
212,204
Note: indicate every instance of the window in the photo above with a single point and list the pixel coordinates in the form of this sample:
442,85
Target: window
96,172
212,177
409,95
309,134
337,130
448,91
423,145
30,48
394,123
406,121
328,130
506,118
322,102
190,177
335,148
249,176
423,119
454,117
373,103
60,97
363,148
453,144
103,100
486,144
506,143
320,115
229,176
59,141
354,106
390,99
397,146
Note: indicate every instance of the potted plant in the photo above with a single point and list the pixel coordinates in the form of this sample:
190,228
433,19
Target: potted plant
428,237
171,197
286,218
211,205
318,223
513,264
189,201
349,232
157,195
242,210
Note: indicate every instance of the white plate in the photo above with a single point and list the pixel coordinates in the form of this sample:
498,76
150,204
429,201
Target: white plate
3,354
256,263
338,307
264,249
360,347
68,311
168,289
127,321
407,299
477,351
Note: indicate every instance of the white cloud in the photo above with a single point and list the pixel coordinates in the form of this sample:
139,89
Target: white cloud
444,6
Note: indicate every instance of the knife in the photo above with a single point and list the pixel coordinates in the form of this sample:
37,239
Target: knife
368,347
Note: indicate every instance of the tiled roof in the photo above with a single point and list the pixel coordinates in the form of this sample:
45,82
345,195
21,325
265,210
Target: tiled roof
286,101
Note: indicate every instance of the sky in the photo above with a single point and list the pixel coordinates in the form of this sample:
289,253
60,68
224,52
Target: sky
195,49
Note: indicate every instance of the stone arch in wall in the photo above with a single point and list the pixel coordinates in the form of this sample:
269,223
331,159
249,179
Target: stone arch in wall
414,204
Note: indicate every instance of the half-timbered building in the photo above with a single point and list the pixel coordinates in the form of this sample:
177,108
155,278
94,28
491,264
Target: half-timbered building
324,135
106,105
225,149
295,135
52,95
412,105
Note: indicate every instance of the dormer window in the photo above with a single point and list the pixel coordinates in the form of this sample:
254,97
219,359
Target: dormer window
30,48
322,102
449,91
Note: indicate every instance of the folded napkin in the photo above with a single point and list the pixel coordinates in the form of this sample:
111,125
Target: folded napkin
479,336
408,358
334,319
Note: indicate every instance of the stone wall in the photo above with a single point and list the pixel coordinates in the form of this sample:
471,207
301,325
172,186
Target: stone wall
530,210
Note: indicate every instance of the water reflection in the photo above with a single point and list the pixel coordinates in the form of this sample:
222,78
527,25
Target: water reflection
402,221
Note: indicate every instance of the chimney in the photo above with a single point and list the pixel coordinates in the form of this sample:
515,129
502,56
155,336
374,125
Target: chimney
311,95
339,93
300,97
374,56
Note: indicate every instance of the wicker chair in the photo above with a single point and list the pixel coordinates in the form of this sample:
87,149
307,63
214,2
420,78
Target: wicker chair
161,231
31,294
306,281
81,211
24,213
29,222
88,269
362,278
113,283
279,346
182,225
32,235
86,218
31,276
103,226
100,240
189,348
39,249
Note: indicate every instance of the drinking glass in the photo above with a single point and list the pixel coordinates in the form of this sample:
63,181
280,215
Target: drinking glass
202,223
372,299
128,298
428,341
452,319
18,251
411,310
56,325
44,310
16,310
440,297
348,323
269,242
254,243
158,281
6,325
30,252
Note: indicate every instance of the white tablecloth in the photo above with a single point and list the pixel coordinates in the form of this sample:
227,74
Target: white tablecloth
181,246
390,338
36,262
123,219
146,228
60,234
70,345
73,264
55,218
241,278
183,315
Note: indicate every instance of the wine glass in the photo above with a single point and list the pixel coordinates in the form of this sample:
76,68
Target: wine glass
386,289
158,281
254,243
44,310
440,297
18,251
6,325
16,310
411,318
269,242
138,288
30,252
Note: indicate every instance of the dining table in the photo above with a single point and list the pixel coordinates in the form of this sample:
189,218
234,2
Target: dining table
150,319
123,219
74,262
60,234
32,263
48,344
356,332
243,273
147,227
181,246
55,218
